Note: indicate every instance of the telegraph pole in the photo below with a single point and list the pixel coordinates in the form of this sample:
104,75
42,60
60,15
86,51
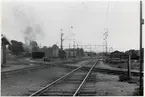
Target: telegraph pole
141,52
61,44
106,35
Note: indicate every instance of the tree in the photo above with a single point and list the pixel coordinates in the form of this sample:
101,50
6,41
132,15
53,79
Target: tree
118,54
134,53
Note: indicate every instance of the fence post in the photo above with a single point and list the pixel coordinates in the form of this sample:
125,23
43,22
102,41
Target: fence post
129,67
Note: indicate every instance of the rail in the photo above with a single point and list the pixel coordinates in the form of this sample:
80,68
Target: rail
39,92
79,88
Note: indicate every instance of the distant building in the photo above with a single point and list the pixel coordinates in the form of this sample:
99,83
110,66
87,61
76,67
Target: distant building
74,52
4,42
70,53
48,52
89,54
86,54
55,51
51,52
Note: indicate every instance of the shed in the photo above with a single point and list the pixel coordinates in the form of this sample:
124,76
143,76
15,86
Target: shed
4,42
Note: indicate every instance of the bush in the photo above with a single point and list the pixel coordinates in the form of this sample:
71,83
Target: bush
123,78
138,92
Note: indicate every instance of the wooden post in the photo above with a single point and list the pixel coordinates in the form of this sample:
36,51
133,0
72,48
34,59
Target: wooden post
129,67
141,53
4,53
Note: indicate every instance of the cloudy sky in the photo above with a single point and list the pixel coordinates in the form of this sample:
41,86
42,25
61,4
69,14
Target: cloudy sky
84,21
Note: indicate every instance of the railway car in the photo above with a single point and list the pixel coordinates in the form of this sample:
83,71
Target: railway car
38,55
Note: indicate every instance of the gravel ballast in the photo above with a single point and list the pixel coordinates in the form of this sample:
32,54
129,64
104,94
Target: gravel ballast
23,84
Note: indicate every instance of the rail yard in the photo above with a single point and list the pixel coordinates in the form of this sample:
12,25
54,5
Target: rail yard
79,48
67,81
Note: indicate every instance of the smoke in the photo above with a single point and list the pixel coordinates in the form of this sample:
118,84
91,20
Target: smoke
31,35
26,48
32,29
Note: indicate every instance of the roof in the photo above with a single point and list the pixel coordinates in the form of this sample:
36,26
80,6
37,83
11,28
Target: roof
5,40
55,46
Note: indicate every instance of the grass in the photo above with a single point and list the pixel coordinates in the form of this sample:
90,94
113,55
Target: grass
134,65
138,92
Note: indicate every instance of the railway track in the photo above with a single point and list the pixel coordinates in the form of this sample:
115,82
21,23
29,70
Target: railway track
71,84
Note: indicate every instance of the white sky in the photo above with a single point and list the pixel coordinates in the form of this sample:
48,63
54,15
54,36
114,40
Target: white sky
88,18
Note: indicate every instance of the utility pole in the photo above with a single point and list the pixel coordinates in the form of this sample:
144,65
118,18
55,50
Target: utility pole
61,44
106,35
141,52
129,67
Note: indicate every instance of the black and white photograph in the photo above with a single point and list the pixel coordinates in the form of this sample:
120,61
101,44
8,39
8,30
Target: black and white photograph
72,47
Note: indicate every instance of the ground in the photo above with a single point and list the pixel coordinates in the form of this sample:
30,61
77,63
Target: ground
134,65
22,84
109,85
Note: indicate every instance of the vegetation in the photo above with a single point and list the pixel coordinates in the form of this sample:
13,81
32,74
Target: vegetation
134,53
123,77
138,92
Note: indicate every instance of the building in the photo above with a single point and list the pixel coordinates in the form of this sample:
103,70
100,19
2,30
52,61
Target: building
91,54
48,52
4,42
55,51
74,52
51,52
86,54
70,53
